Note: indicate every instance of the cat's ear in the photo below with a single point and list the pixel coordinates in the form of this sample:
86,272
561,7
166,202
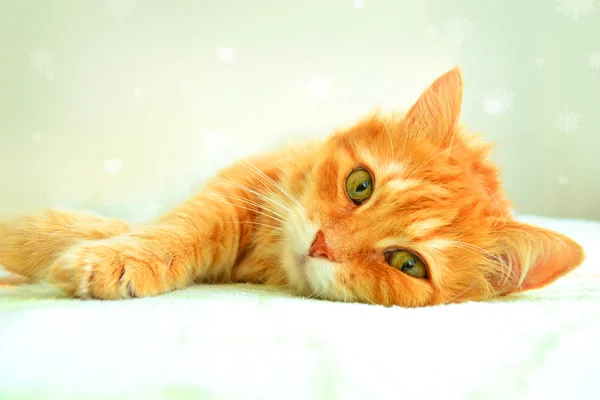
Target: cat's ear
437,111
534,257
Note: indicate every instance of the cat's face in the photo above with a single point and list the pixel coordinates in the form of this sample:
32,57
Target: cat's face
407,210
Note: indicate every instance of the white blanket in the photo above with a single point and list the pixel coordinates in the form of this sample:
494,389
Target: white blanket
248,342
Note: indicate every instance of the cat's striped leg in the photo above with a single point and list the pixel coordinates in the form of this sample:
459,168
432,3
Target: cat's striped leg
30,243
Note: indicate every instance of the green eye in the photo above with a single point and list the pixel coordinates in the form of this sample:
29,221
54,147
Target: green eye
408,263
359,186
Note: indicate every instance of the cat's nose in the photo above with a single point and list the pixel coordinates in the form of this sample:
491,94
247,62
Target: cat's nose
319,248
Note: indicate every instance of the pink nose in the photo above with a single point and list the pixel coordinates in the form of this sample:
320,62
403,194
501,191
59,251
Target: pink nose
319,248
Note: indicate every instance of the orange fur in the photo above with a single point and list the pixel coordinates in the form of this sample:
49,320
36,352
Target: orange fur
435,194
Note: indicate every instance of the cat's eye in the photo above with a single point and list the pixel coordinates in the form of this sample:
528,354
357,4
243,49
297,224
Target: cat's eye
359,186
407,262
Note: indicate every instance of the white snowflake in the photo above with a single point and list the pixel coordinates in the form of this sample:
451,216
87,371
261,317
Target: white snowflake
594,59
498,102
119,9
432,32
567,121
539,62
216,141
226,55
459,30
138,93
42,59
318,86
113,166
358,4
562,179
36,137
576,8
221,143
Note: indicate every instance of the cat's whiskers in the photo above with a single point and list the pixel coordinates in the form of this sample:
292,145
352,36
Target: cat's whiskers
250,209
249,202
260,180
273,227
275,230
275,184
262,196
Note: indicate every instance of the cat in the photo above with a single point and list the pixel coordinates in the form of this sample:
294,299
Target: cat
401,209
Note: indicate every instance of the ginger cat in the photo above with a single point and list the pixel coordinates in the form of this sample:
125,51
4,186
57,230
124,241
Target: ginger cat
397,210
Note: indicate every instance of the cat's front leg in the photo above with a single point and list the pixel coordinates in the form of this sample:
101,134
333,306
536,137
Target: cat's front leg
122,267
200,240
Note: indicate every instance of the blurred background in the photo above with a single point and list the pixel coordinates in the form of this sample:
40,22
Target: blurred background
121,106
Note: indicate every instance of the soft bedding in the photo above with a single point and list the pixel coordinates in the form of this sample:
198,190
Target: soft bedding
251,342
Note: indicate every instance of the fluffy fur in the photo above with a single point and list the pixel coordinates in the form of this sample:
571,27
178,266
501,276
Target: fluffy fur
435,193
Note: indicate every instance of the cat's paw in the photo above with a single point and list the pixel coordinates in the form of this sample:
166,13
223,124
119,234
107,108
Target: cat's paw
110,269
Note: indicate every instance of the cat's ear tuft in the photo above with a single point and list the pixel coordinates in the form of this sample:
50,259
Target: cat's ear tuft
533,257
436,113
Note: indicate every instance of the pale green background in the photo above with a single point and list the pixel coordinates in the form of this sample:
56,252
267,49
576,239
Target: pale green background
83,82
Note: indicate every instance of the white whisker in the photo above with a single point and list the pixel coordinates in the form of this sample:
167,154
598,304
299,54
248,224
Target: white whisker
252,209
275,184
246,201
262,196
258,224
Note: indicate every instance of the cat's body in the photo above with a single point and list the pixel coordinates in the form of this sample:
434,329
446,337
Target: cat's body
402,210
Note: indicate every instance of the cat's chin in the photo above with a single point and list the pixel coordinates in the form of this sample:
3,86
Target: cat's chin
311,276
294,267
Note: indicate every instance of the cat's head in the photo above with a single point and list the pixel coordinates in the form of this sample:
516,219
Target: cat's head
408,210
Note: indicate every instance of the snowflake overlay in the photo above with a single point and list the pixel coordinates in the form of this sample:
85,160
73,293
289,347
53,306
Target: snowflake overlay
113,166
226,55
432,32
539,62
36,137
358,4
43,60
119,9
567,121
216,141
594,59
458,31
576,8
318,86
562,179
498,102
138,93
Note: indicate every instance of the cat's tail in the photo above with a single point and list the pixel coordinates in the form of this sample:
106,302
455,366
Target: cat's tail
28,244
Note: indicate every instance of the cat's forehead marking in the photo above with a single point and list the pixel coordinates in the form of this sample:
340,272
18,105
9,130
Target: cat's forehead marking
424,227
438,244
393,169
382,166
416,230
402,185
390,242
